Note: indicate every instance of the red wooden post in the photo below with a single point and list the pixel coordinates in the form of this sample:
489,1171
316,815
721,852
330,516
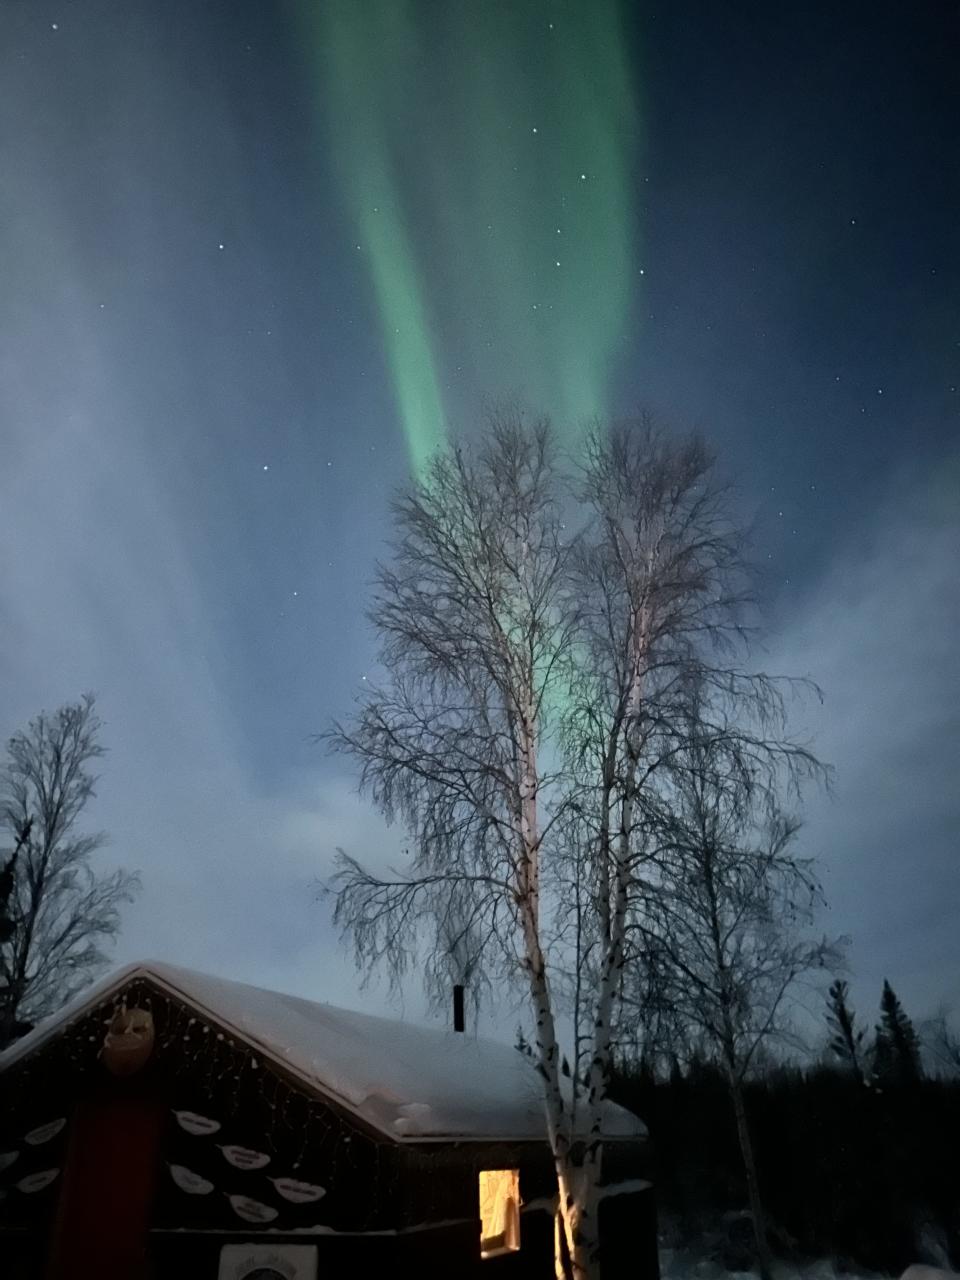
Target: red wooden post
108,1187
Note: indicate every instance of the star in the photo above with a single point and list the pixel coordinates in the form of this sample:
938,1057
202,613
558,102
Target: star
221,246
54,26
583,177
266,467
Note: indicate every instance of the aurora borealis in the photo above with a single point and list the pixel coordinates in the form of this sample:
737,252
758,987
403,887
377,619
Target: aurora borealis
200,442
487,154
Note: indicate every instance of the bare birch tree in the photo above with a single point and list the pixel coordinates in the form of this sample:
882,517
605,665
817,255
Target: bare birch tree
656,583
943,1042
534,680
728,928
62,911
456,744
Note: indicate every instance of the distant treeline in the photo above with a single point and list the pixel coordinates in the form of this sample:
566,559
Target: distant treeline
866,1174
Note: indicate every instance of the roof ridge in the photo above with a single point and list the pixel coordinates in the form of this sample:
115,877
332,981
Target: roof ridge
409,1081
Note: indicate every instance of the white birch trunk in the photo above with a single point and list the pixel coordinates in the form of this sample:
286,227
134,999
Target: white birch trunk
548,1052
588,1228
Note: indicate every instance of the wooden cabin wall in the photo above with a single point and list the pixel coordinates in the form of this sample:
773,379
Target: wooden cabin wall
430,1255
223,1110
238,1151
441,1179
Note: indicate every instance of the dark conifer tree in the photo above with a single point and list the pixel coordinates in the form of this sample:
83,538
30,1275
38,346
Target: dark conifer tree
846,1038
9,919
8,882
897,1046
7,922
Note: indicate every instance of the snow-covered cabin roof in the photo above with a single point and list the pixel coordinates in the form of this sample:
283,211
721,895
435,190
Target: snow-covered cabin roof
412,1082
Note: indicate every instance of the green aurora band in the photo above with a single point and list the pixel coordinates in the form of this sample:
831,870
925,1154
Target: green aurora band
485,151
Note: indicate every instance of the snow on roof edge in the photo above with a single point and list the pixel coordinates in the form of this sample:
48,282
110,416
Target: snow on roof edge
157,972
188,986
74,1009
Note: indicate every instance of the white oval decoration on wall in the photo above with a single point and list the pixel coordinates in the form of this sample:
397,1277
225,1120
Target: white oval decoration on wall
189,1181
297,1192
197,1125
252,1210
37,1181
244,1158
45,1132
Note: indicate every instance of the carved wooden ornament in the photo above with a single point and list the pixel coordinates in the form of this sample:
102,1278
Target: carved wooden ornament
129,1041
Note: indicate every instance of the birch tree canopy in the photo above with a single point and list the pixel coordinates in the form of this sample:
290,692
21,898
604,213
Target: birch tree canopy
542,626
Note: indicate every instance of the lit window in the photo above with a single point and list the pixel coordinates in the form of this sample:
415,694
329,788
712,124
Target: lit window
499,1211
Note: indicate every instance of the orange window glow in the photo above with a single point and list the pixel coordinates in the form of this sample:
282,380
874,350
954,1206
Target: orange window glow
499,1211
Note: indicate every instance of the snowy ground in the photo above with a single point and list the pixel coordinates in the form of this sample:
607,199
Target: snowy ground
683,1264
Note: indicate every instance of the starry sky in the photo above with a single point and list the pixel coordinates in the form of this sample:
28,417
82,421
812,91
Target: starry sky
260,258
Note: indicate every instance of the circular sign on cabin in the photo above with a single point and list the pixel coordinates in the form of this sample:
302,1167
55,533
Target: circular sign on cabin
268,1262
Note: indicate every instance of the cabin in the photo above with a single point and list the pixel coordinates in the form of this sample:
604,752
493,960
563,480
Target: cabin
169,1123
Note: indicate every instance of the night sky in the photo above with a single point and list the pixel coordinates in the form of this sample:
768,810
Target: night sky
259,259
